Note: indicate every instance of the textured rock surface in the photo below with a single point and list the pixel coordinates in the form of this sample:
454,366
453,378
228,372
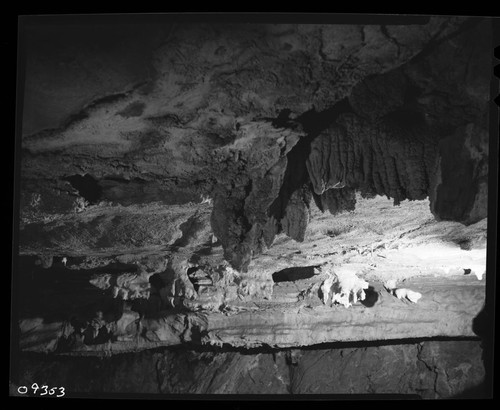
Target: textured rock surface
376,160
449,305
174,183
443,369
218,110
197,297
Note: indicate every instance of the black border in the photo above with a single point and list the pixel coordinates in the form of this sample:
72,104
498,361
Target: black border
387,17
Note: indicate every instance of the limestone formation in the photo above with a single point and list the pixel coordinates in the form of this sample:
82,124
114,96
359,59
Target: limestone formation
231,190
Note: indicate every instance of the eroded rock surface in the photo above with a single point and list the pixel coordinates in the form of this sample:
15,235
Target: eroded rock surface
223,108
192,294
430,370
174,186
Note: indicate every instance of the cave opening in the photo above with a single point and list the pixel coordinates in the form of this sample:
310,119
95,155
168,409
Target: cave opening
198,278
293,274
192,270
87,187
371,297
156,281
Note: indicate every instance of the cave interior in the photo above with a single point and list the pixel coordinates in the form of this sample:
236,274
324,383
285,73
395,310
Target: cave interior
254,207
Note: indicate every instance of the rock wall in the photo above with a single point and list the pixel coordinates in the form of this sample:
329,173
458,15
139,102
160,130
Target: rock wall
428,369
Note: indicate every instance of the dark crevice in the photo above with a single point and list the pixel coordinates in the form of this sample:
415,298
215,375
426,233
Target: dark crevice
371,297
383,29
192,270
51,292
87,187
108,99
294,274
62,266
196,347
313,122
84,112
127,191
283,119
112,98
198,278
134,109
156,281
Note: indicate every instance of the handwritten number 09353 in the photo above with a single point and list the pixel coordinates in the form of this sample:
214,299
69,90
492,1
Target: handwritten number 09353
45,390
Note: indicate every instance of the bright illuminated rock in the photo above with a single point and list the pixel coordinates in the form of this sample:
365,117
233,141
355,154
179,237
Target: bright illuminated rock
403,293
343,287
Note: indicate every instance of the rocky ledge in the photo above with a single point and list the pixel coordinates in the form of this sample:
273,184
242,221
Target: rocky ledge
157,297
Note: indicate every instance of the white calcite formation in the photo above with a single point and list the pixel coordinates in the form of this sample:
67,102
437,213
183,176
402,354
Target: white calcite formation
411,295
343,287
401,293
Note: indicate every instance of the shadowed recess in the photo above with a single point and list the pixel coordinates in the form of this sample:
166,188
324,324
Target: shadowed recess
371,297
293,274
87,187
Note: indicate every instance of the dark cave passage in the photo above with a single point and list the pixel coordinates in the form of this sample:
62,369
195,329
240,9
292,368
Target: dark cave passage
87,187
198,278
371,297
293,274
57,292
